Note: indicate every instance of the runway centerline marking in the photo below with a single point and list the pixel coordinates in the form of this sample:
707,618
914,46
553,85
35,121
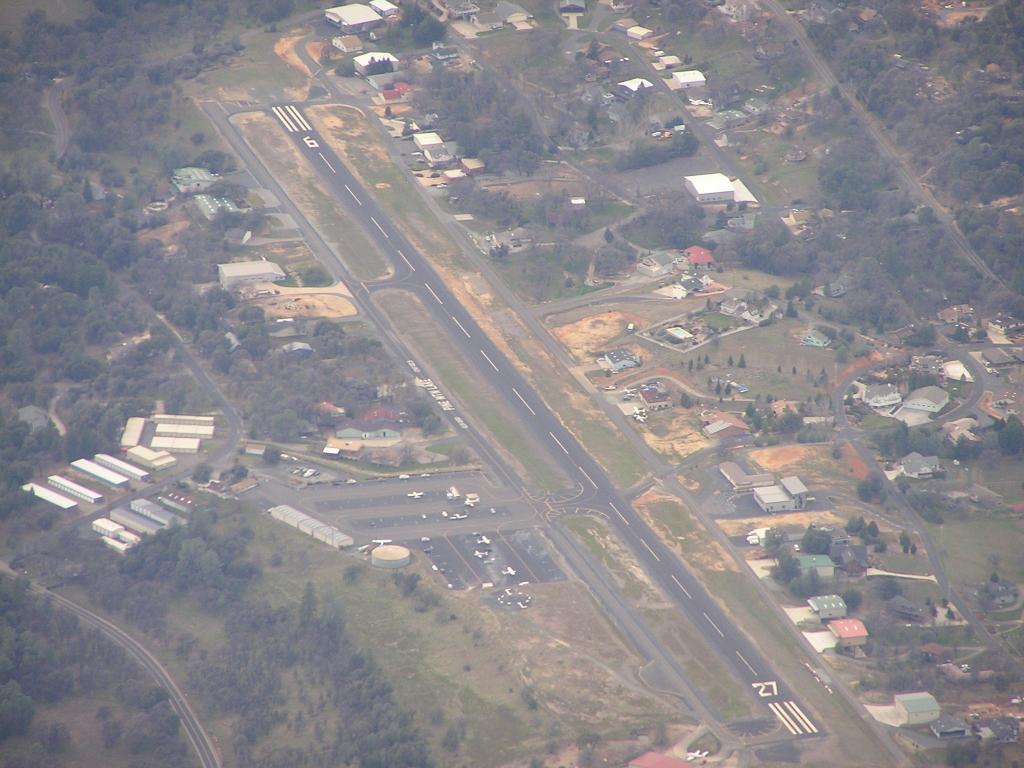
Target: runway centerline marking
427,286
453,317
516,393
679,584
623,519
487,359
327,162
378,226
653,554
559,443
712,623
407,262
349,189
746,663
589,479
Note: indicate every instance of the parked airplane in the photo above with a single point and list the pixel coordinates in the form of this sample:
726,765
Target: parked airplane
479,554
483,540
509,571
415,494
382,541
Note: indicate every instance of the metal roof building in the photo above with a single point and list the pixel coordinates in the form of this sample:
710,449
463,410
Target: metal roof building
182,418
155,512
51,497
185,430
319,530
155,460
134,521
234,274
132,434
76,490
175,444
104,475
114,463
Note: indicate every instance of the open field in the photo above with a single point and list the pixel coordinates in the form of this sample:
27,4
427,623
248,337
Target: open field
771,354
305,188
444,361
13,12
967,546
1002,474
782,182
616,558
675,434
594,333
255,71
673,523
814,464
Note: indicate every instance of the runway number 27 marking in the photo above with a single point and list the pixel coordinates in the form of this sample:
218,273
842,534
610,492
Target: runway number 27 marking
766,689
310,142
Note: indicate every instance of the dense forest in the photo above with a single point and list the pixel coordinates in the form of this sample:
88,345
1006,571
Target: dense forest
46,658
952,98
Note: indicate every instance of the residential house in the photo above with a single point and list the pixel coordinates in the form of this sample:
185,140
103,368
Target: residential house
347,43
722,426
328,414
881,396
297,348
385,8
616,360
463,11
958,313
572,6
1002,593
689,284
655,396
699,257
819,564
815,338
919,467
906,610
849,633
948,727
755,107
997,730
851,558
931,399
657,264
732,307
828,607
918,708
745,222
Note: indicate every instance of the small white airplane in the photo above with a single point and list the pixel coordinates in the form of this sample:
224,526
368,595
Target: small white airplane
468,503
509,571
382,541
479,554
444,513
415,494
403,477
483,540
691,756
457,517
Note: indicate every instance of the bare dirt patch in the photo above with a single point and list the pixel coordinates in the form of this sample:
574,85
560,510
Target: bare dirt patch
813,463
285,50
679,437
347,130
165,234
589,334
739,526
858,469
307,303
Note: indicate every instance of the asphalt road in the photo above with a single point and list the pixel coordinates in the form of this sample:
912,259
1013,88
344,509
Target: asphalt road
414,273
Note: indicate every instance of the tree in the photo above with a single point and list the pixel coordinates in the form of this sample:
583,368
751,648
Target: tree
307,608
853,599
271,455
743,361
202,473
16,710
1011,437
815,541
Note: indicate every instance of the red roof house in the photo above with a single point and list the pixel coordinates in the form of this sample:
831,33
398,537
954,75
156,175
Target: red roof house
655,760
699,258
379,413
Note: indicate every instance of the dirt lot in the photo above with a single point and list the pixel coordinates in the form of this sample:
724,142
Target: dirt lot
307,302
584,337
740,526
675,436
813,463
285,49
165,234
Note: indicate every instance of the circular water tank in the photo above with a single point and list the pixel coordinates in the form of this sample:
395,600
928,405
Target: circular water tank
390,556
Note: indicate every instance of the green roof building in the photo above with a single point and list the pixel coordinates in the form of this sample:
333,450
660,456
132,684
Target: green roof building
191,179
820,564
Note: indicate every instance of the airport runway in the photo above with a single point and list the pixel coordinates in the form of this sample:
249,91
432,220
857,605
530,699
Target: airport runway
594,491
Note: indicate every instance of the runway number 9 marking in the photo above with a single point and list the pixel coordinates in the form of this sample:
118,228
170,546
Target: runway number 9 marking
766,689
310,142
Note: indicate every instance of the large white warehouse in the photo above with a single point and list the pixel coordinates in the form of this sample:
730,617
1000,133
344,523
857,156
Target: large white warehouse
182,418
52,497
235,274
132,434
104,475
135,521
123,467
319,530
185,430
175,444
76,490
155,512
155,460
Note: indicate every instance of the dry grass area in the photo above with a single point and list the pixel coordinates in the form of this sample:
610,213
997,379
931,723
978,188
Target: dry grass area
813,463
307,302
740,526
285,50
166,234
676,436
667,515
587,335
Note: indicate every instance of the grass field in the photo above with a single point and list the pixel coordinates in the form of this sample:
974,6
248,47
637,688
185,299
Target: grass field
444,361
13,12
1001,474
771,354
967,545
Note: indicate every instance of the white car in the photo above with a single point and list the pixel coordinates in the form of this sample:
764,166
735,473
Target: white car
403,477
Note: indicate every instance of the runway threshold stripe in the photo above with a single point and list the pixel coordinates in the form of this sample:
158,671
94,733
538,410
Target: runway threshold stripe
784,718
589,479
648,546
623,519
407,262
559,443
679,584
327,162
800,717
463,329
285,120
299,119
487,358
712,623
427,286
516,393
349,190
746,663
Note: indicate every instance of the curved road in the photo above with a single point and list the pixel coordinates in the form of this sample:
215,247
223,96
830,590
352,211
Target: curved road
54,103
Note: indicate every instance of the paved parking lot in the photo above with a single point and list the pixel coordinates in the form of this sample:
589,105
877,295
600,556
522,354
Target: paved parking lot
470,560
